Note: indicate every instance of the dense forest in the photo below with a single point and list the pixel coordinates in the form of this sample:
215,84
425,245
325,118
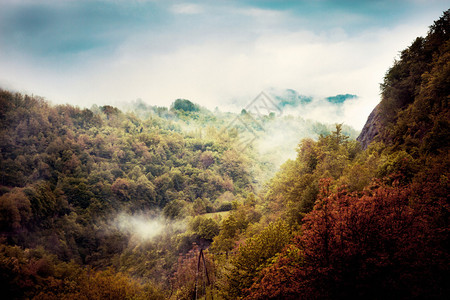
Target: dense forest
164,203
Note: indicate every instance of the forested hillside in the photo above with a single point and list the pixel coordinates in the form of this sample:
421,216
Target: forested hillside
379,226
79,186
68,174
164,203
413,111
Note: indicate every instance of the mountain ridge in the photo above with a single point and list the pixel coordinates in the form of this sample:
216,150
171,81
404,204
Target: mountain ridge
414,103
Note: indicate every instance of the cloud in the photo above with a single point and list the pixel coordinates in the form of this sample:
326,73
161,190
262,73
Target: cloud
223,56
187,9
216,72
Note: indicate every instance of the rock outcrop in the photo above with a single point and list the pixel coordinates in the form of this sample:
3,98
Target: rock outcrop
371,129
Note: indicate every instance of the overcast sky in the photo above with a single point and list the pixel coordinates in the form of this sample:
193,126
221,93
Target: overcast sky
216,53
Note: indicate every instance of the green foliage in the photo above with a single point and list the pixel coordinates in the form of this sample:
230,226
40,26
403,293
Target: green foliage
35,274
400,164
295,187
185,105
367,240
204,228
66,172
366,232
174,210
254,256
415,94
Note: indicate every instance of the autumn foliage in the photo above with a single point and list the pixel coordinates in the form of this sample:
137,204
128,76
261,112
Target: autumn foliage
343,220
391,241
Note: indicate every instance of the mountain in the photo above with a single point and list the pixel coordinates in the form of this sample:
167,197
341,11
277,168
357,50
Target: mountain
371,129
339,99
367,217
183,203
95,186
292,98
413,111
289,97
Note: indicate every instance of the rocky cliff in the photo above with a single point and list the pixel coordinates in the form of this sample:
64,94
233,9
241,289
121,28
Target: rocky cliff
413,112
371,128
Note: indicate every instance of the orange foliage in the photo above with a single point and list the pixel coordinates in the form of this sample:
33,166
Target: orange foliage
385,243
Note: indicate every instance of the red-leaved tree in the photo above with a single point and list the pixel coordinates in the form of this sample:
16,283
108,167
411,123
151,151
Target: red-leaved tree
390,242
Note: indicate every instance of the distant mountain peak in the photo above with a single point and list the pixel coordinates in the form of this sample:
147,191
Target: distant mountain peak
341,98
292,98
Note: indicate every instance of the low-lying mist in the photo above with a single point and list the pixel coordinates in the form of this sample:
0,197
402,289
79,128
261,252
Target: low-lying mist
145,226
297,117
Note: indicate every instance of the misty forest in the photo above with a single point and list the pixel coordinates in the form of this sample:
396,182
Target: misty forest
181,202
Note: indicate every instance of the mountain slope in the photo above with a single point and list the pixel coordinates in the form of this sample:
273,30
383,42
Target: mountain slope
414,106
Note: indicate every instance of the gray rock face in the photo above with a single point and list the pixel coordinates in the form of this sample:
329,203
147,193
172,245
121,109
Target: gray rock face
371,129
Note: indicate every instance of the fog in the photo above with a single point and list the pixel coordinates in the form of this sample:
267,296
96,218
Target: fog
145,226
281,119
214,53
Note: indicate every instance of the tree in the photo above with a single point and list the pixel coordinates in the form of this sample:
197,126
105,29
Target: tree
185,105
122,188
371,246
206,159
15,210
204,228
254,256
